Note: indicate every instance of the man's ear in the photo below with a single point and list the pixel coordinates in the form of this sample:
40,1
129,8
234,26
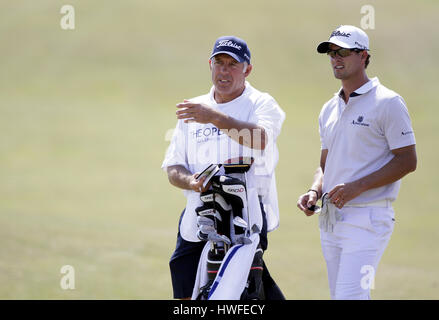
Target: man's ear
210,64
364,55
249,69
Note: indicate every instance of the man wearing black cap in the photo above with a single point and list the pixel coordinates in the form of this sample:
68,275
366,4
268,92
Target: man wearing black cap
232,120
367,146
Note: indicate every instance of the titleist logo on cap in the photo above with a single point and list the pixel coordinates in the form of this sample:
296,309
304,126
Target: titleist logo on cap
338,33
228,43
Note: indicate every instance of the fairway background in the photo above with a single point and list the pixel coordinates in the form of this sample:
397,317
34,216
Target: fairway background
84,115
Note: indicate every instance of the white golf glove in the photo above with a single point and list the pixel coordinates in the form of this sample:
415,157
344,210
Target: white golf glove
328,216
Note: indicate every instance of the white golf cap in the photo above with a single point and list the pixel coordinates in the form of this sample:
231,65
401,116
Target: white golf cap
348,37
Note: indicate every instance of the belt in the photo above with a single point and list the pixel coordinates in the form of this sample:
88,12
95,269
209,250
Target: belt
329,216
379,203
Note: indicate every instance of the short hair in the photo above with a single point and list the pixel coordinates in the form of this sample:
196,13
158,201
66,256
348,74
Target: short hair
366,63
245,67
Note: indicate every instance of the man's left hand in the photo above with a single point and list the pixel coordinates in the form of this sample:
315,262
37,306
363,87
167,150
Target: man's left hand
343,193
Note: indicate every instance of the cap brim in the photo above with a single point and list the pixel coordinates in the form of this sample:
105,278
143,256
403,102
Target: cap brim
323,47
234,56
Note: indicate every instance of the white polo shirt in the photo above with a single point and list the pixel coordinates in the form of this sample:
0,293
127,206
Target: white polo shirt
197,145
360,135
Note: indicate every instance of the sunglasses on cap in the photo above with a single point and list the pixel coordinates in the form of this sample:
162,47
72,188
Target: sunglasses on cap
342,52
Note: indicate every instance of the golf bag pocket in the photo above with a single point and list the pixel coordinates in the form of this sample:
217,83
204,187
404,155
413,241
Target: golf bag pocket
188,225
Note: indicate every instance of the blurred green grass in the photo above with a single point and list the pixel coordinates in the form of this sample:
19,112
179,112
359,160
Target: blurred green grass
83,116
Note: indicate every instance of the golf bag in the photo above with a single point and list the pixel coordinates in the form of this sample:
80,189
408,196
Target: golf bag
231,264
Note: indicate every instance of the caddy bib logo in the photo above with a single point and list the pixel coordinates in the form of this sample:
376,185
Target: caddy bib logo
202,135
228,43
207,144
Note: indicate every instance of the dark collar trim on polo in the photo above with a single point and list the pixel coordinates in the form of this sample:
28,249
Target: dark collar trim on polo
372,83
353,94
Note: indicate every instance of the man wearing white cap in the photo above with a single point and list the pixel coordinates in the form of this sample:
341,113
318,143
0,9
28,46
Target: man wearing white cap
367,146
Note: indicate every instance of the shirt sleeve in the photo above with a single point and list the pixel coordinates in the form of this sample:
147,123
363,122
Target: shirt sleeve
268,115
176,152
323,145
321,132
397,124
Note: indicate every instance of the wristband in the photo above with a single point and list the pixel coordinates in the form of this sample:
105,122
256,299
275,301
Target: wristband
317,193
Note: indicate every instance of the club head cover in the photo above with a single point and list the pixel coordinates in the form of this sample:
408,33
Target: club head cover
215,211
211,196
232,189
207,210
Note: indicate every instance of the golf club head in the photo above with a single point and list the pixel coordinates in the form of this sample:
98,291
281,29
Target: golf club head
239,222
215,237
243,240
255,229
205,221
204,231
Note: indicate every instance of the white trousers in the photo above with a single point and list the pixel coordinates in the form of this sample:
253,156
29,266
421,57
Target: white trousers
354,248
